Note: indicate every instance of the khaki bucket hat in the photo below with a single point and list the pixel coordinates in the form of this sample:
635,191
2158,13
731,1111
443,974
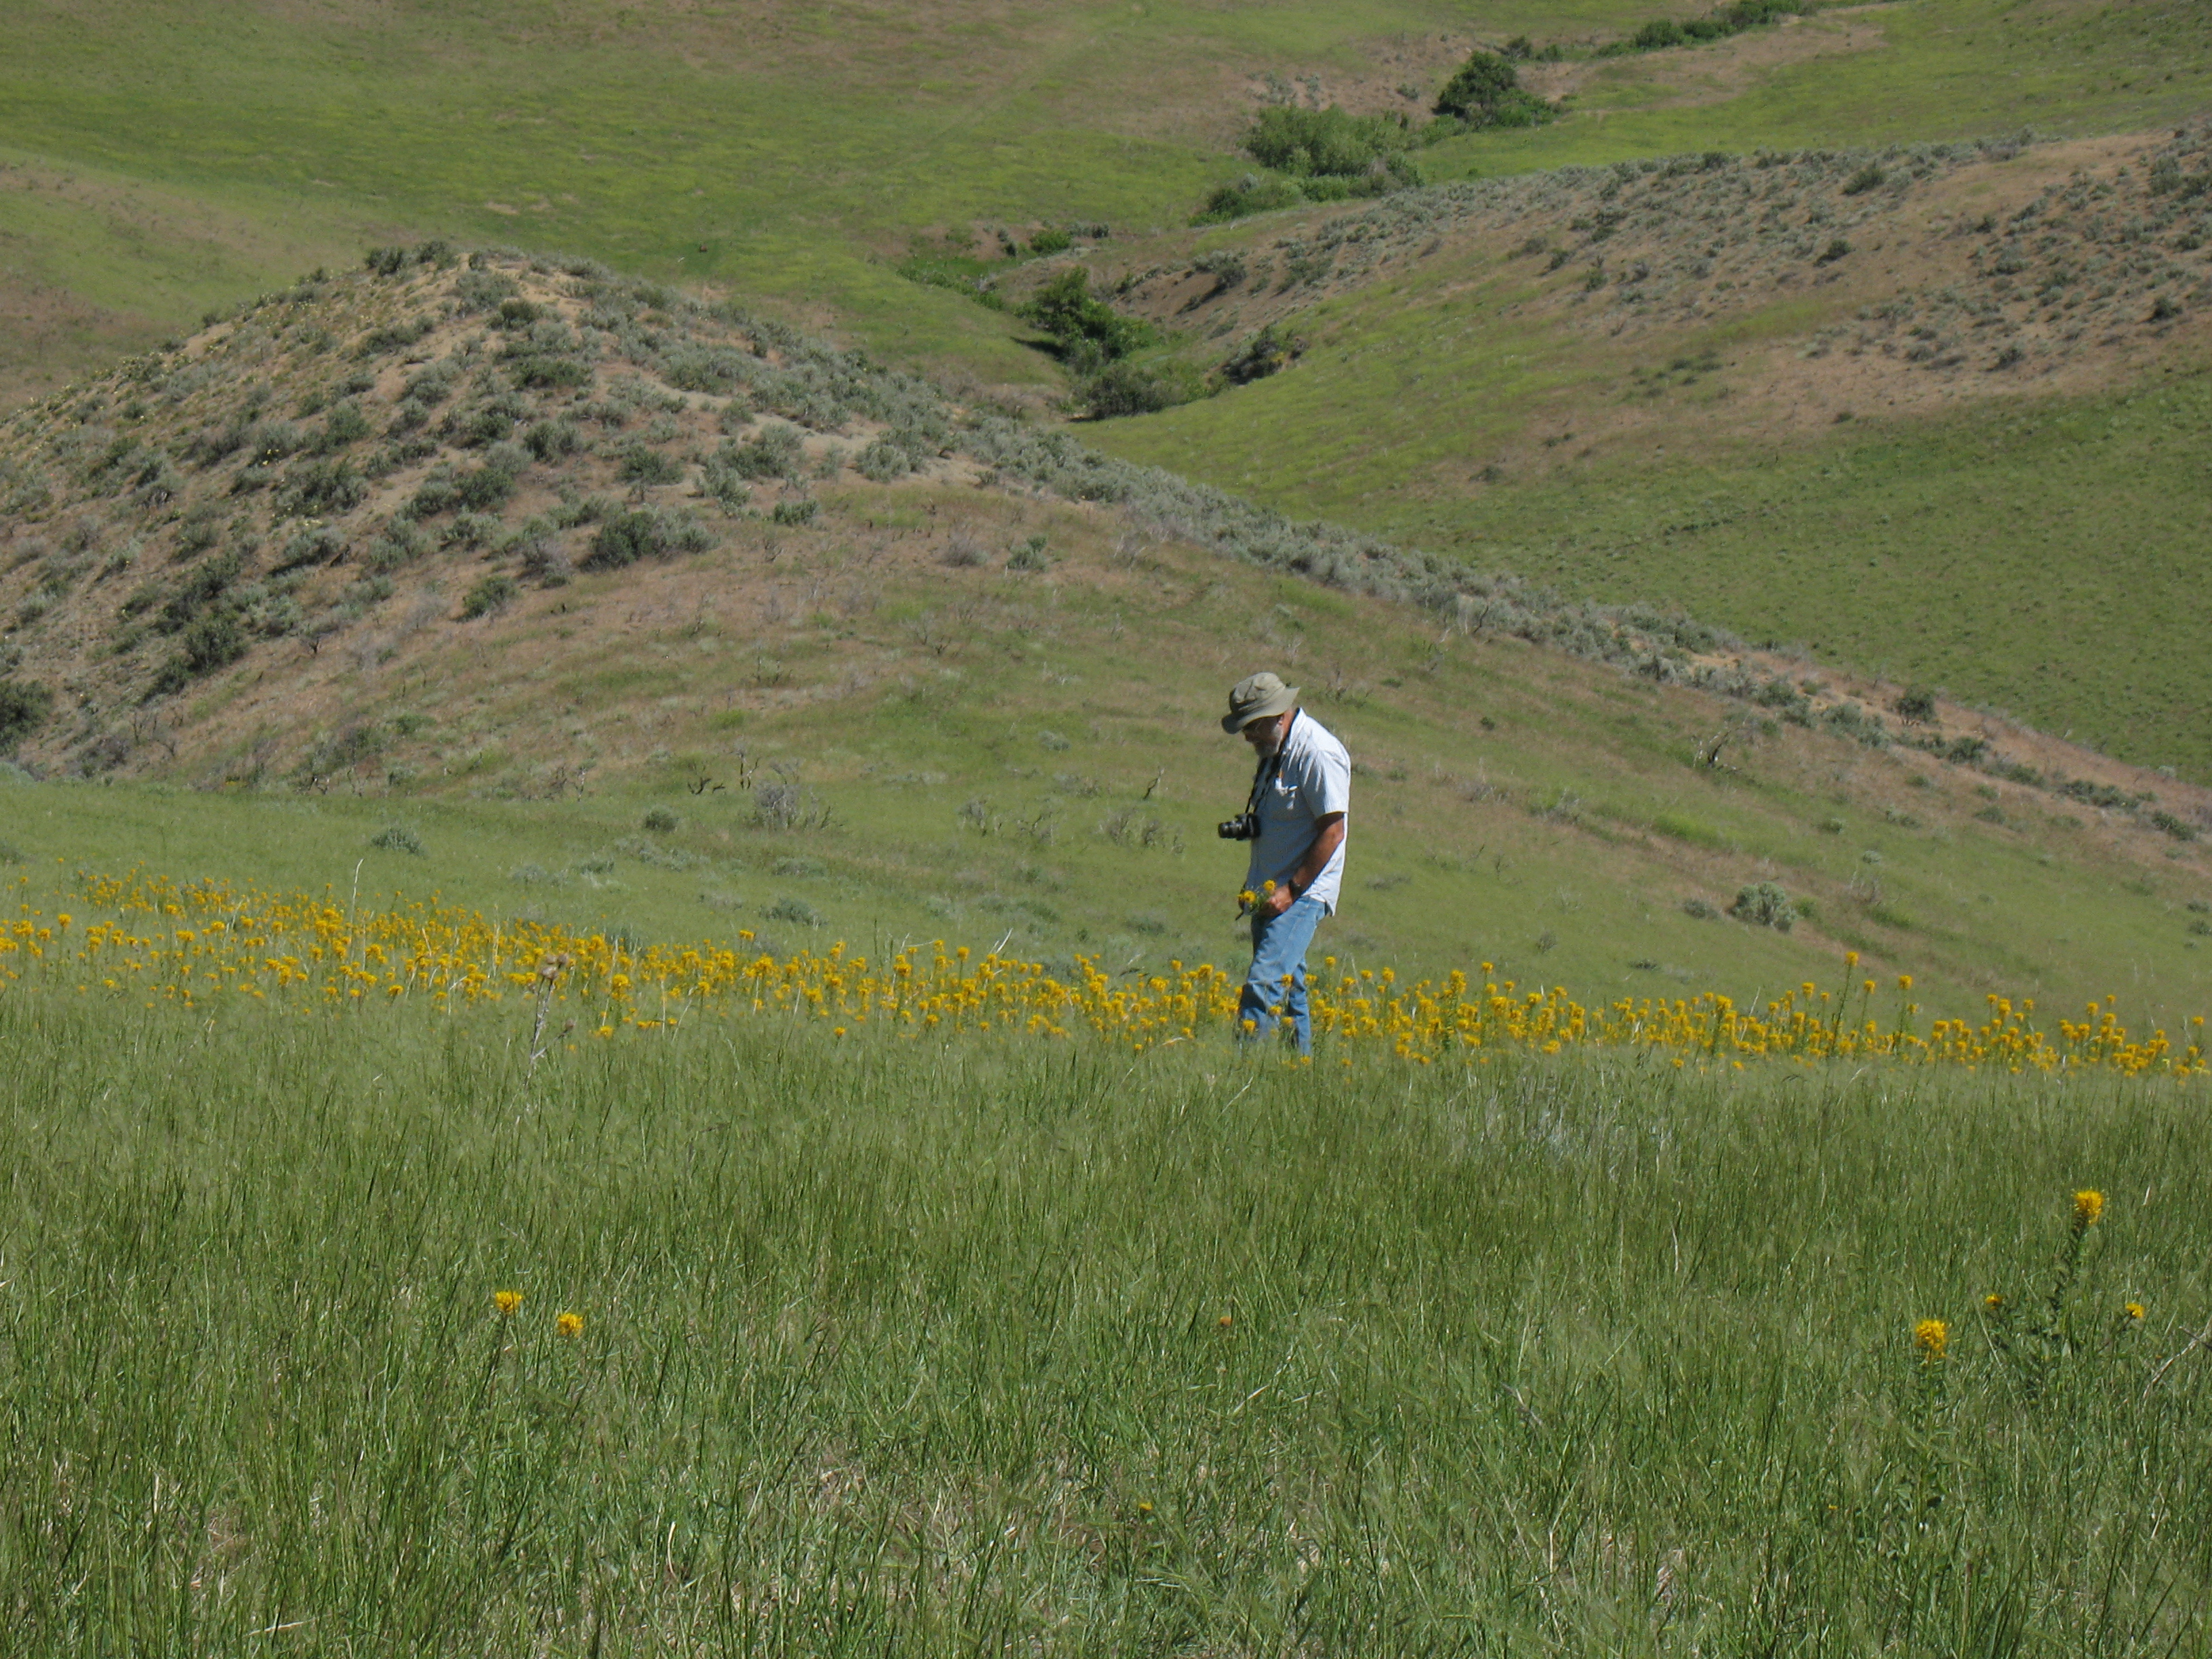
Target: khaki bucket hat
1256,698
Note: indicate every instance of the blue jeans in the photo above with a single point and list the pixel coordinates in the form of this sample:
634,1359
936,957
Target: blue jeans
1279,953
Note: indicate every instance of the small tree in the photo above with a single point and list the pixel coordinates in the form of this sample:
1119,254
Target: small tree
1088,333
1486,92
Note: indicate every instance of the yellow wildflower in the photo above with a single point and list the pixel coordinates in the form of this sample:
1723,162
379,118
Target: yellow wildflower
2134,1310
1931,1337
506,1302
568,1324
1993,1302
2088,1208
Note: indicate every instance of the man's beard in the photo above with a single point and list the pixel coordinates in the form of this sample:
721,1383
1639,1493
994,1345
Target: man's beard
1269,746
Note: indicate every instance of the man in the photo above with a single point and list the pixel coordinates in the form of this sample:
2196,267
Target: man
1300,793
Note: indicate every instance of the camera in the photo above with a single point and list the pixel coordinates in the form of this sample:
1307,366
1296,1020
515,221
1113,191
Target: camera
1245,826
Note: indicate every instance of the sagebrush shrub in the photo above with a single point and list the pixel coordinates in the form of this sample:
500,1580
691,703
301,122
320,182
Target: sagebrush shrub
773,452
642,464
24,705
652,534
344,424
489,596
883,461
1764,905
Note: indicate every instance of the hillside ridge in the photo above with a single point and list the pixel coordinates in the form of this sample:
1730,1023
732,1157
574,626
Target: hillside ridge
508,420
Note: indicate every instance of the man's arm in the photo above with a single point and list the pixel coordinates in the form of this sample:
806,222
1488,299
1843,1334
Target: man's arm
1328,836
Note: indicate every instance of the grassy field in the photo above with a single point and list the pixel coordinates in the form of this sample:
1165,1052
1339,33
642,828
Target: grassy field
987,1347
437,1319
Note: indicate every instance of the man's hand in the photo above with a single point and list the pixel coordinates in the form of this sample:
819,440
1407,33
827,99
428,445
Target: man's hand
1278,902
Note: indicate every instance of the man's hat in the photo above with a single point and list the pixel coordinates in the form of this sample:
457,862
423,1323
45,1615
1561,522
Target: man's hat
1257,698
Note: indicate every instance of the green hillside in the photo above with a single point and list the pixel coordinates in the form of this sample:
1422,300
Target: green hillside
465,571
787,151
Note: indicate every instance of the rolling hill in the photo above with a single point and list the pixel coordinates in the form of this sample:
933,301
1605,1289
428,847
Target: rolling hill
464,567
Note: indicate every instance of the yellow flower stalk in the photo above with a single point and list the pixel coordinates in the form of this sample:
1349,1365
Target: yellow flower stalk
1932,1337
2088,1208
568,1324
506,1302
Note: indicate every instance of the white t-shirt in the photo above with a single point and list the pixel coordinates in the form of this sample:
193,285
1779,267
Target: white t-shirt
1313,780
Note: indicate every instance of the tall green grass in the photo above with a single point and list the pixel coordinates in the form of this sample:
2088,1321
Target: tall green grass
988,1348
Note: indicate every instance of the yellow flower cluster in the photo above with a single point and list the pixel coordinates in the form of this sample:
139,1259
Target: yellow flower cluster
197,943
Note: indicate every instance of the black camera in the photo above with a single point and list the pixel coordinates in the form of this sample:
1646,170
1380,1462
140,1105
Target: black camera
1245,826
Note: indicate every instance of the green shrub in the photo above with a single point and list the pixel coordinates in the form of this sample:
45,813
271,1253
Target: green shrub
432,385
1030,555
534,367
551,440
200,591
1051,240
773,452
795,512
1123,388
397,838
1764,905
1662,32
1330,144
1087,334
481,290
641,463
883,461
1486,92
652,534
485,490
1261,193
320,490
495,592
1866,179
1916,705
212,642
1264,353
24,706
345,424
381,342
322,545
485,423
660,820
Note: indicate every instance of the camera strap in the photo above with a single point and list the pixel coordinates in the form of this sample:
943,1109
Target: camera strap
1269,766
